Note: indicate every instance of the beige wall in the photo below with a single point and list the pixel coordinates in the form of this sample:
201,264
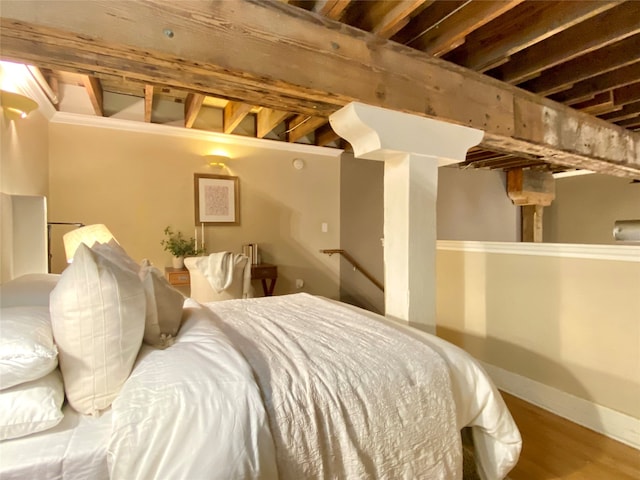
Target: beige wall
24,157
587,206
138,183
570,323
361,229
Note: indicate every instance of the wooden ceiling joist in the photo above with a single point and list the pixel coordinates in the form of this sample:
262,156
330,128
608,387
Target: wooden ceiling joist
325,135
94,90
601,103
302,125
267,119
452,31
613,25
391,21
606,81
630,110
428,19
148,102
233,114
192,106
97,38
520,28
611,57
626,94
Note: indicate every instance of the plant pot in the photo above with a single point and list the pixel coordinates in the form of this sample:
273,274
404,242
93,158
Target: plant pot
178,262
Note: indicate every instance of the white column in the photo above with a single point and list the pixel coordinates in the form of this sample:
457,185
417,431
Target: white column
412,148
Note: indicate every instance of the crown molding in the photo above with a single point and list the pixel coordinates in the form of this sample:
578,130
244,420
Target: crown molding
195,134
624,253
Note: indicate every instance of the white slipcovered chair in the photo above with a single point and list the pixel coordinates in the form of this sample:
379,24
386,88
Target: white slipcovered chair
219,276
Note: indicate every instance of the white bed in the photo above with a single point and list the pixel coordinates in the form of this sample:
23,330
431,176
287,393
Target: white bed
215,404
289,387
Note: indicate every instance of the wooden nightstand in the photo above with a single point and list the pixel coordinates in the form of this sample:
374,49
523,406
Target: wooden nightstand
177,276
264,272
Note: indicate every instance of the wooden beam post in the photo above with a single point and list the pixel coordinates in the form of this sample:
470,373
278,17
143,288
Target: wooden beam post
532,223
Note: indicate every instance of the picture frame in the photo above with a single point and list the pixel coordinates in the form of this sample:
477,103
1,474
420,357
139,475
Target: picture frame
217,199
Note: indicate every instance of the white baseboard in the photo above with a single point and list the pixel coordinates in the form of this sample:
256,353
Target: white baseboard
613,424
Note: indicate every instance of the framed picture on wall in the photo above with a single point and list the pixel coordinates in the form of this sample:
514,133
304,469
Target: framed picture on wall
217,199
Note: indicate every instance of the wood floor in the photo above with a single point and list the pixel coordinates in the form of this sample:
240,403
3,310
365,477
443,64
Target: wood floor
555,448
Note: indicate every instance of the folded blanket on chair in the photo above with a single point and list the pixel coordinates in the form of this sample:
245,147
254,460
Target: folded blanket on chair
218,270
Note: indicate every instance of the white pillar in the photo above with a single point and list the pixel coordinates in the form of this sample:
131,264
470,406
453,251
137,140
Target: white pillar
412,148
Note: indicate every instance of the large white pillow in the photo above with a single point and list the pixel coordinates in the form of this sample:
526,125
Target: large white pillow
27,351
31,407
164,307
32,289
97,315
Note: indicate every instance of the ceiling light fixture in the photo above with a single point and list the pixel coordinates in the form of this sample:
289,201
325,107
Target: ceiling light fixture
16,105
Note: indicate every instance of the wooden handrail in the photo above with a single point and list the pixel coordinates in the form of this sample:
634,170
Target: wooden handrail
355,264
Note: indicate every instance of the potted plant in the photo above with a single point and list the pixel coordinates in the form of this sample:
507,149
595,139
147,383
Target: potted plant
179,246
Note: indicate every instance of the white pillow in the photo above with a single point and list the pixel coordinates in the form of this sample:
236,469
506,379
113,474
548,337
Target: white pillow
31,407
27,351
116,254
164,307
32,289
97,315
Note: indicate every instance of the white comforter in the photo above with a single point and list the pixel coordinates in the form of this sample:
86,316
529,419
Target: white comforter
356,398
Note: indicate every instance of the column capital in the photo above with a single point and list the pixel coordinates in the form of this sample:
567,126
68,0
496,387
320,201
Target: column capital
377,134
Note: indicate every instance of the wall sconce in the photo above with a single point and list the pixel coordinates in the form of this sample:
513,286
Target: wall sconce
87,235
15,105
216,160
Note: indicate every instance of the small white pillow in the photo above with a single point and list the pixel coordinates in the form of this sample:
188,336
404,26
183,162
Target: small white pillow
164,307
97,316
31,407
27,351
32,289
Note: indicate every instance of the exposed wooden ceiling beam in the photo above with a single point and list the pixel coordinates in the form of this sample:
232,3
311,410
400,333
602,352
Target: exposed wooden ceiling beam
597,32
525,25
606,81
452,31
389,76
148,102
233,114
616,55
192,106
268,119
626,94
94,90
302,125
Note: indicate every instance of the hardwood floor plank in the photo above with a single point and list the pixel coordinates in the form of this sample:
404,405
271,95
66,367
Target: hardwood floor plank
555,448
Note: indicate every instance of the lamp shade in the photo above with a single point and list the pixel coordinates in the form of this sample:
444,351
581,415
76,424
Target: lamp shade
87,235
15,105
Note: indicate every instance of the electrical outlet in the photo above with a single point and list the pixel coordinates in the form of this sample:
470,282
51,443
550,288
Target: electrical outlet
299,283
